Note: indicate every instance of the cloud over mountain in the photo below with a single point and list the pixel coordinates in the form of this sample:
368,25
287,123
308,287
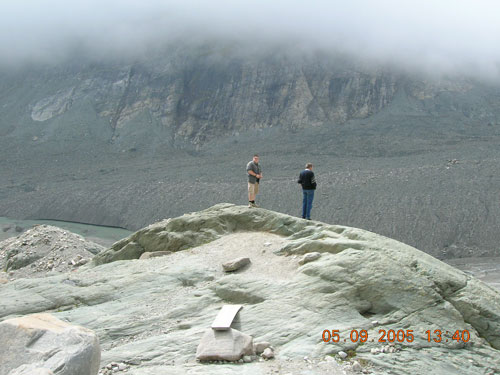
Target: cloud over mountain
443,35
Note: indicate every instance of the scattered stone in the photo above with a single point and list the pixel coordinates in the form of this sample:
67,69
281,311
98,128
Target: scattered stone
374,350
229,345
40,341
235,264
267,244
154,254
122,366
342,354
259,347
18,229
247,359
356,366
268,353
309,257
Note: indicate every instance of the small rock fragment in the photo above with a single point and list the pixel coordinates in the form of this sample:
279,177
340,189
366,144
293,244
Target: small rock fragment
122,366
342,354
259,347
235,264
356,367
268,353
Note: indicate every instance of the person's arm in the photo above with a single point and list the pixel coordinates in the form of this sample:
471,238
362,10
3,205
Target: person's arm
251,172
313,180
300,178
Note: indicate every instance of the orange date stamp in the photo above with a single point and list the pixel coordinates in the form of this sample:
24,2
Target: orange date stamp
391,335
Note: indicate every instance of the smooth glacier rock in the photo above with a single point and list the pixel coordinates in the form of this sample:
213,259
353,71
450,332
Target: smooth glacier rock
309,257
154,311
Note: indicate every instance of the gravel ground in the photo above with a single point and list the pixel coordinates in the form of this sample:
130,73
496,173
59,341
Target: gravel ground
434,188
44,250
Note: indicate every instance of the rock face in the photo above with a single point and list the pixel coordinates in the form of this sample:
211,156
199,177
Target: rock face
44,249
174,94
365,288
42,344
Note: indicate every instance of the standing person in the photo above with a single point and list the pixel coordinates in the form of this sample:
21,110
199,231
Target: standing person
254,175
308,182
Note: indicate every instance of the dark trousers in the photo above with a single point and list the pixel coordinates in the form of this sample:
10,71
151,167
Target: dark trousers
307,203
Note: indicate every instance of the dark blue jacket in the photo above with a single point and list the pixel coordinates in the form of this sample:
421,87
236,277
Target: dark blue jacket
307,180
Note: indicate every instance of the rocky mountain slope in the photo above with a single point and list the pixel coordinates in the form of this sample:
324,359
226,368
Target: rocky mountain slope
193,96
125,143
150,314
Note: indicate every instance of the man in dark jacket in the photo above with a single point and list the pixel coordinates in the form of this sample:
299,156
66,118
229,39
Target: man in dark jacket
308,182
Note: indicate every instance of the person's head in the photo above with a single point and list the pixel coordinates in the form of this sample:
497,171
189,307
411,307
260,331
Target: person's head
309,166
256,158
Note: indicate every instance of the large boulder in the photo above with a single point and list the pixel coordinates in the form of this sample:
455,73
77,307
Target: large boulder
228,345
42,344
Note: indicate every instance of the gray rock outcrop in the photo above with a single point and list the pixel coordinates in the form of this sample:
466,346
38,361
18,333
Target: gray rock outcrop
42,344
152,312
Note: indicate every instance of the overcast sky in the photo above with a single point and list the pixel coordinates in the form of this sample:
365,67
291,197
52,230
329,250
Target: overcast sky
443,35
